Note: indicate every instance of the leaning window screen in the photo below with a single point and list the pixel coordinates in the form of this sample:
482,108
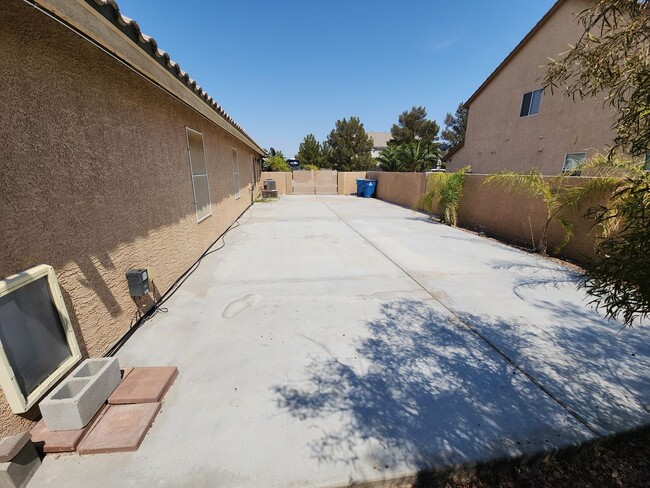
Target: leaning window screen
32,334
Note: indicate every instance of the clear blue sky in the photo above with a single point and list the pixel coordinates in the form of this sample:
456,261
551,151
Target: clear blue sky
285,68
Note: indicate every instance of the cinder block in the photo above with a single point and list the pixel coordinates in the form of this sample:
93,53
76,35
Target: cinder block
76,401
17,472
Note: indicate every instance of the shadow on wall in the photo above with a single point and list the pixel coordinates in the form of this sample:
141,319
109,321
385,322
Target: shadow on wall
428,392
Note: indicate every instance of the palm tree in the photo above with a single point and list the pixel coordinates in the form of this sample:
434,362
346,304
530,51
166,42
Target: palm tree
417,156
388,159
557,195
446,190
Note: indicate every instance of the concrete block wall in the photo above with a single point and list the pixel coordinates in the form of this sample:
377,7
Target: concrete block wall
280,179
347,181
401,188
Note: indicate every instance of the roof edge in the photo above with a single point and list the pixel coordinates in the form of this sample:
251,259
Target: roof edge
515,51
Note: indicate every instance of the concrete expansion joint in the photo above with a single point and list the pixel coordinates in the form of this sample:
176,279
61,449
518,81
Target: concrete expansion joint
468,326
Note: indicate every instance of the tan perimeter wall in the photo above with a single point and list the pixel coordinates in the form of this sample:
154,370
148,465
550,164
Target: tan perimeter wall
401,188
282,181
498,138
347,181
488,209
96,177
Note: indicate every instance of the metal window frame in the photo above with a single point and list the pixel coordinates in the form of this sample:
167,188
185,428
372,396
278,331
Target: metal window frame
17,400
207,179
235,172
530,104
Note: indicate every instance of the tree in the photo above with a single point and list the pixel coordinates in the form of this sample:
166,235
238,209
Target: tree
612,60
309,152
389,159
556,195
455,125
446,191
350,146
277,163
413,126
325,156
417,156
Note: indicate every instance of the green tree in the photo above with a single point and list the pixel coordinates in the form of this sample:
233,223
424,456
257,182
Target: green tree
556,194
414,126
455,125
325,156
389,160
309,152
276,161
611,60
417,156
446,192
350,146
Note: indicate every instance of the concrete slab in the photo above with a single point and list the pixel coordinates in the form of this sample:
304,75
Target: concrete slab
326,345
10,446
120,429
144,385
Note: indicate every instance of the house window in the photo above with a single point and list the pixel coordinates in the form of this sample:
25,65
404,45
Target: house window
199,172
572,161
38,345
235,173
530,103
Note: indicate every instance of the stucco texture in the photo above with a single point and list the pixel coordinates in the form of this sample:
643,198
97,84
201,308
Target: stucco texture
497,138
96,177
402,188
347,181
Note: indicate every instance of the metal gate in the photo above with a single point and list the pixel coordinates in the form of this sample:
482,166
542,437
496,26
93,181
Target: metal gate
320,182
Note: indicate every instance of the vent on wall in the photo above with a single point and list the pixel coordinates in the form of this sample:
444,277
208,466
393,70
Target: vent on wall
37,343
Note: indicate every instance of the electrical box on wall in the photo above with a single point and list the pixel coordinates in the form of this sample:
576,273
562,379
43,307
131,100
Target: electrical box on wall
138,280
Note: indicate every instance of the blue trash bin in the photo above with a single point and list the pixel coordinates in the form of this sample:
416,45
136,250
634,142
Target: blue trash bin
369,188
361,184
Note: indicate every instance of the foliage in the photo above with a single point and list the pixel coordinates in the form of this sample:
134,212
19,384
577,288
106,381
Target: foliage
388,159
417,156
276,163
612,59
350,146
325,156
619,278
556,195
309,152
309,167
455,125
446,191
413,126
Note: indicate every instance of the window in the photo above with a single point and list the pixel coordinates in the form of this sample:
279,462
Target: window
37,343
530,103
572,161
235,173
199,171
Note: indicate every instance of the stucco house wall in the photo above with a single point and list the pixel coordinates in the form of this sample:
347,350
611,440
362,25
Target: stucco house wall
95,177
497,138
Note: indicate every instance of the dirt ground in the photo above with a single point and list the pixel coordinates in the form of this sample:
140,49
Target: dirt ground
622,461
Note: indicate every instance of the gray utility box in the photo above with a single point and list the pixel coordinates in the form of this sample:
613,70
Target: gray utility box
138,280
269,185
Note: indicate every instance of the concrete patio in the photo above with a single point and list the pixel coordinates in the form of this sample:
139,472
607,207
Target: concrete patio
337,340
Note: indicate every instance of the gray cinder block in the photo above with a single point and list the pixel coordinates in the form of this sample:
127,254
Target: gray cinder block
17,472
76,401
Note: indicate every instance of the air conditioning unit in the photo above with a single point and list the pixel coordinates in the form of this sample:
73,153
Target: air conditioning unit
269,185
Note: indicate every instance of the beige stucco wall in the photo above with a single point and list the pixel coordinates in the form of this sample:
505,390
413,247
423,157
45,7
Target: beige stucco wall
487,208
96,178
401,188
347,181
498,138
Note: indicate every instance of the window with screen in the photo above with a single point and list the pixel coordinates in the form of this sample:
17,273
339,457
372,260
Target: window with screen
235,173
37,343
530,103
199,171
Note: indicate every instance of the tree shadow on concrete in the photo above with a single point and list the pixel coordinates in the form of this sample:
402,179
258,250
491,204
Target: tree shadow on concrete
423,392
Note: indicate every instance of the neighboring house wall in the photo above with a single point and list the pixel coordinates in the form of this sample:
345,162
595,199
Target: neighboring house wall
96,177
379,142
498,138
